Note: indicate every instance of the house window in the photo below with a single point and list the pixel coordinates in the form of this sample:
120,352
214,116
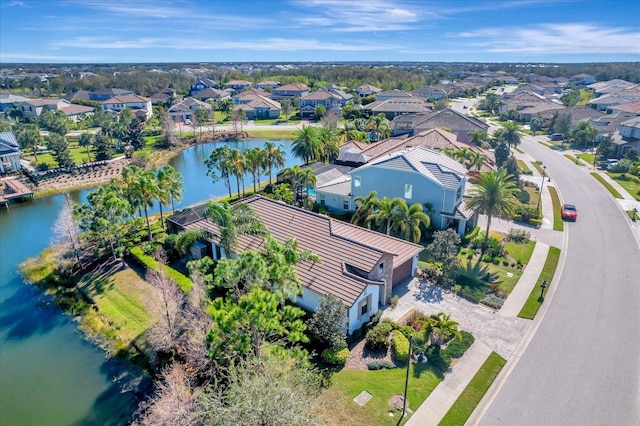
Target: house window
381,268
345,204
356,181
459,194
321,199
408,191
364,308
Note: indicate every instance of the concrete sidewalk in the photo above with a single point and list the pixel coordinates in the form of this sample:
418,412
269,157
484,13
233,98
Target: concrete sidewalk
527,282
436,406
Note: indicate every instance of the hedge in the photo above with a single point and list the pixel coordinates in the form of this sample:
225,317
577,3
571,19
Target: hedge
335,356
181,280
400,345
380,364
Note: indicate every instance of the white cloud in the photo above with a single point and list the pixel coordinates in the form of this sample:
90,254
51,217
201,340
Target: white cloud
16,3
8,57
566,38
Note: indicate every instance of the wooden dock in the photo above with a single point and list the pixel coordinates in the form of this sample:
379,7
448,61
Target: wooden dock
14,190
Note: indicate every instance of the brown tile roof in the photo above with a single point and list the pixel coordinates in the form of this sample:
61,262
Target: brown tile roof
337,243
74,109
126,99
292,87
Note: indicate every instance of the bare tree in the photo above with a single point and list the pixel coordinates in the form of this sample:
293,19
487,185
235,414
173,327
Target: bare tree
329,122
176,400
167,308
66,229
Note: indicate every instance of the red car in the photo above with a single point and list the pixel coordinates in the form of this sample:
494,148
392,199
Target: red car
569,212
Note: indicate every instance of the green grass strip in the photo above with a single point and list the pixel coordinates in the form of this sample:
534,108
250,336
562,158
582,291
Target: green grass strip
607,185
548,145
572,159
470,397
518,150
180,279
538,166
523,166
558,223
533,303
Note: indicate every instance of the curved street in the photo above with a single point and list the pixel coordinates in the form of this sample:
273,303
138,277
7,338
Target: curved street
582,366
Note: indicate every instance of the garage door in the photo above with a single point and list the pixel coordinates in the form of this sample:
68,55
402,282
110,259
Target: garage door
402,272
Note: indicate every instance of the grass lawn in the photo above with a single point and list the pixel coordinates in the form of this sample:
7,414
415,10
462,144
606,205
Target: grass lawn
264,121
534,195
521,252
589,158
533,303
633,215
538,166
275,133
629,182
382,385
558,224
475,390
78,155
572,159
506,277
523,166
518,150
121,302
607,185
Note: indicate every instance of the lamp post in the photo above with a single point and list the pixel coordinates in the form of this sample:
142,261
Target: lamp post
543,285
635,213
544,174
406,381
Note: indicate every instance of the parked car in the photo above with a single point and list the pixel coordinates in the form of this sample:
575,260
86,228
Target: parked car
556,137
607,164
569,212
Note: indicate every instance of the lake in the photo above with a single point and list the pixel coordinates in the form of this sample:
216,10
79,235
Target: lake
48,374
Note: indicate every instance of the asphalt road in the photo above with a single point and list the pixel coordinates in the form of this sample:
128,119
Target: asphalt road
582,367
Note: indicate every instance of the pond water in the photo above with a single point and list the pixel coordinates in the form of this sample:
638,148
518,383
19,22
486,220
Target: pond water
48,374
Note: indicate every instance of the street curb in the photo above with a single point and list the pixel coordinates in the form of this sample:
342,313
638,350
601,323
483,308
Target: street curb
486,401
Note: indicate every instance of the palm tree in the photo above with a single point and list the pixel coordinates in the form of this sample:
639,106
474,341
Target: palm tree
233,221
255,160
408,219
86,140
306,144
493,195
294,175
383,214
378,125
442,328
329,143
29,136
476,159
351,132
275,156
511,133
169,183
218,165
584,133
478,137
365,208
307,179
238,167
147,190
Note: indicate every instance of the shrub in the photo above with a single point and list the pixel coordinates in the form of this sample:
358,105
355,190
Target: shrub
493,301
517,217
477,240
623,166
181,280
470,236
470,254
505,262
438,358
518,235
335,356
495,247
487,258
496,260
463,252
378,337
394,301
522,196
380,365
535,222
43,167
400,345
417,320
457,347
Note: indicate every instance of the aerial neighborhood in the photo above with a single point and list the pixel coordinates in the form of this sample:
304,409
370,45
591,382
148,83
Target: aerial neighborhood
333,218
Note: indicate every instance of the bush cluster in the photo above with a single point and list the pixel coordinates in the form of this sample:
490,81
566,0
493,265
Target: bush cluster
380,365
400,345
492,300
470,236
457,347
438,358
378,337
335,356
518,235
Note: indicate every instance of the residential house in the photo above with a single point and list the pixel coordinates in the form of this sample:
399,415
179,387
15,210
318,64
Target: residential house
165,96
582,79
80,95
260,108
581,113
521,100
624,96
459,124
33,108
248,95
76,112
106,94
544,110
200,85
392,94
290,91
417,175
9,101
331,98
610,86
358,266
238,85
610,123
268,84
509,79
530,87
367,90
395,107
632,107
212,96
628,137
185,110
140,105
430,92
9,153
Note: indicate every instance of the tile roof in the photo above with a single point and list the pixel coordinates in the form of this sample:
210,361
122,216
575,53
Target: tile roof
296,87
8,143
338,244
75,109
632,107
450,119
126,99
398,105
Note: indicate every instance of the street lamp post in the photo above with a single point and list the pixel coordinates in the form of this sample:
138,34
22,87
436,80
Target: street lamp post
544,175
543,285
406,381
635,213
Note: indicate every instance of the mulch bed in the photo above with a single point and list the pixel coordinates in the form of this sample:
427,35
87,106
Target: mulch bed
360,356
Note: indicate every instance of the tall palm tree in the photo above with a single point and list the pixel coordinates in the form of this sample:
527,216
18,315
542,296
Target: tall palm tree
307,180
255,161
238,167
218,165
511,133
294,175
147,190
233,221
351,132
493,195
408,220
477,160
29,136
365,207
306,144
86,140
378,126
275,156
383,214
169,183
329,144
584,133
478,137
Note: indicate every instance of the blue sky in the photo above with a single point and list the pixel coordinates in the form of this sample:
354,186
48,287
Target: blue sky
103,31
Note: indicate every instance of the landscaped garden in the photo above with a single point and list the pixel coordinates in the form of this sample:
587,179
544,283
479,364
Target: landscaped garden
629,182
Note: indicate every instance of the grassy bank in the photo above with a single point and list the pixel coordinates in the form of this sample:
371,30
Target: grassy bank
558,224
607,185
630,183
470,397
534,301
